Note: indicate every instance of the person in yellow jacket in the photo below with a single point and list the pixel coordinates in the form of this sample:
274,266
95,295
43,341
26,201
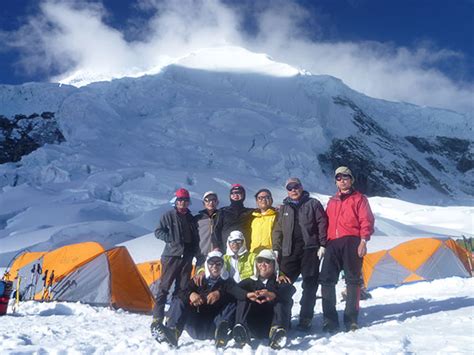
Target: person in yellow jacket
263,219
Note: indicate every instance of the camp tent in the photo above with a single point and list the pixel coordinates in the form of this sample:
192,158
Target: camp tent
151,273
108,279
38,270
415,260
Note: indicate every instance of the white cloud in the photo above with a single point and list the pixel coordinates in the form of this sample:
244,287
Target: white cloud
67,37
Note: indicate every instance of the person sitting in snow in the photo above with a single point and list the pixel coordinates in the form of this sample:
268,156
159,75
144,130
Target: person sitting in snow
266,312
178,230
206,311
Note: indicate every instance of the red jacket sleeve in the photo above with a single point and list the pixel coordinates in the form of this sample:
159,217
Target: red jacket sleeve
366,219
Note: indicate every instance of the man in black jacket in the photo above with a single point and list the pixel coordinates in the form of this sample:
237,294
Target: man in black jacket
178,230
266,312
205,311
299,238
234,217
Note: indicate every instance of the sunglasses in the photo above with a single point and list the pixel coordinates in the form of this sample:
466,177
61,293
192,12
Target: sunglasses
211,199
264,261
215,263
340,177
291,187
237,192
238,241
182,199
266,197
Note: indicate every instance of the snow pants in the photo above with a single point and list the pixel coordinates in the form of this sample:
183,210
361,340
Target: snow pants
200,322
175,269
259,318
306,263
341,254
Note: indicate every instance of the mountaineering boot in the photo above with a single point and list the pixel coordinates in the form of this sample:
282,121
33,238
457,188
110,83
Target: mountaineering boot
330,326
241,336
171,336
305,324
157,330
351,327
222,335
277,337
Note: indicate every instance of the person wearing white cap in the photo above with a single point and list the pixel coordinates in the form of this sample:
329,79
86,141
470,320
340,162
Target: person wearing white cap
205,311
266,312
206,220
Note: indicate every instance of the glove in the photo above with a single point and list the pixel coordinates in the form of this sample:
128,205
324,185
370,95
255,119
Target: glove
321,252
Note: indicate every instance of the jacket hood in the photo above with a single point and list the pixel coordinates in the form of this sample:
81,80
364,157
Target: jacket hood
216,254
267,254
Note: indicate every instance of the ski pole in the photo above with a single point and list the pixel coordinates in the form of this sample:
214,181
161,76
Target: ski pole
17,296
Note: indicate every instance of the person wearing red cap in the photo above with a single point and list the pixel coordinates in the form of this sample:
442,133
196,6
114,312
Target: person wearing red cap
235,217
178,230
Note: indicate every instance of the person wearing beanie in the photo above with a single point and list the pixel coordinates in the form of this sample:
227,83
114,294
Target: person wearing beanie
206,220
177,228
266,311
351,223
299,238
205,311
263,218
233,217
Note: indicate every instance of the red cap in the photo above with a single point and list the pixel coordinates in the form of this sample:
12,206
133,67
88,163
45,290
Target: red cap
182,193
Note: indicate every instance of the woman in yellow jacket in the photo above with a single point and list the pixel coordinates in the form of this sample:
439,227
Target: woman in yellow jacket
263,219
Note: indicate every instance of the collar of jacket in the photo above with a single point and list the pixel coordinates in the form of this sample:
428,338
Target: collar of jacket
204,212
270,212
342,196
304,197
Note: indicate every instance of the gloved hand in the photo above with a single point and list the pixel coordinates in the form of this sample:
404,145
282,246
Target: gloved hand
321,252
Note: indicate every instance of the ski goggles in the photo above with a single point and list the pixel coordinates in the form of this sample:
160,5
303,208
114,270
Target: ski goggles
293,186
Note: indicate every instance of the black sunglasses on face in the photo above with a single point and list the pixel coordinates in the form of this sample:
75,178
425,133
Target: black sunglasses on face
340,177
266,197
290,187
264,261
212,199
236,192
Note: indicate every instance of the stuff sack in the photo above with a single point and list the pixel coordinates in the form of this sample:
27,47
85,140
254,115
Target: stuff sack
5,292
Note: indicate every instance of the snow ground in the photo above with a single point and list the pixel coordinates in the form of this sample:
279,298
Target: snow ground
426,317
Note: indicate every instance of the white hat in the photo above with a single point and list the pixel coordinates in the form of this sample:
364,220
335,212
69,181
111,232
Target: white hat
267,254
207,193
235,235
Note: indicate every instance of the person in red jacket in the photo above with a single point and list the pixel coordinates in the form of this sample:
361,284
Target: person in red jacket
350,225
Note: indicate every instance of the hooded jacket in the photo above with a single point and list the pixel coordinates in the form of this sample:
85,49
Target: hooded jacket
233,217
349,215
245,263
312,221
261,229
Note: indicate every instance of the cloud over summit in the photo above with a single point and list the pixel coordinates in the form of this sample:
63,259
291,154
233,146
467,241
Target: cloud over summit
66,37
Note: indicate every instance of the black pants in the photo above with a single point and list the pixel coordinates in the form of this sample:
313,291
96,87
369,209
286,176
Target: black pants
200,322
174,269
259,318
341,254
306,263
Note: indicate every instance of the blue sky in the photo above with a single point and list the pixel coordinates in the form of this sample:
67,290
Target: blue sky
427,43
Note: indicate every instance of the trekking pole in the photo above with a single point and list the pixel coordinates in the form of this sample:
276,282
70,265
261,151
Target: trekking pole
17,296
45,284
50,285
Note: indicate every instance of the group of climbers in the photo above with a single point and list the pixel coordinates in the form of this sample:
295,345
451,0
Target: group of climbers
249,259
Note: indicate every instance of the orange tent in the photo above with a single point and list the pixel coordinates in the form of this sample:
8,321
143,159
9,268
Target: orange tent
415,260
110,278
151,273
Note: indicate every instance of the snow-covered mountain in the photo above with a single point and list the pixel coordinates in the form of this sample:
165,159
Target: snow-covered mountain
116,150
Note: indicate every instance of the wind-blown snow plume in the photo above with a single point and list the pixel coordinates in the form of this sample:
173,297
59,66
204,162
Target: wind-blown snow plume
75,39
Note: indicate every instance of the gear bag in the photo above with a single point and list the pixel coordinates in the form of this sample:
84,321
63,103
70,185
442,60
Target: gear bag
5,292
